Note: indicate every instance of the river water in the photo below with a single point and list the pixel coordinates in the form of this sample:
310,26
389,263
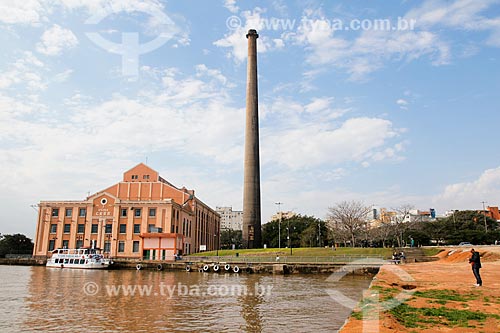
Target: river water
64,300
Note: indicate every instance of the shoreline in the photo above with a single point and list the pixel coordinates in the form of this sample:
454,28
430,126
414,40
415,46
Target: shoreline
436,296
257,267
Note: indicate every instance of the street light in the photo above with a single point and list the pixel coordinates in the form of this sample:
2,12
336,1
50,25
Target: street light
484,215
279,223
218,243
319,234
288,236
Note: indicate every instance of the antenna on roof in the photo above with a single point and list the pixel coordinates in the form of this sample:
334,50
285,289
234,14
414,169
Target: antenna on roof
146,160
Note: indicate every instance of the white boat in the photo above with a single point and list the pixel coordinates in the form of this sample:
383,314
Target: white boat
78,258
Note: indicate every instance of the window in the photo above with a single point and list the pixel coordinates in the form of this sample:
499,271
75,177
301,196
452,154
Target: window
94,228
123,212
151,228
137,228
79,243
137,212
53,228
55,212
135,177
108,228
52,244
82,212
81,228
107,247
68,212
135,247
152,212
67,228
123,228
121,246
145,177
65,244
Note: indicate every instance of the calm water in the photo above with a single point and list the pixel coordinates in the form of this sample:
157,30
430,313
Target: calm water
55,300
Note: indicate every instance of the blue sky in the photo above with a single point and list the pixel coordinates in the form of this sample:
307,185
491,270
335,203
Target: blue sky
348,111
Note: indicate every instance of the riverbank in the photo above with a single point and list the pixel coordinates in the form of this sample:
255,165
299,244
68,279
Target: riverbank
437,296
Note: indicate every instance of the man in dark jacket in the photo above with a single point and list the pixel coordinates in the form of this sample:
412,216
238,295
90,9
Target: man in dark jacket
475,262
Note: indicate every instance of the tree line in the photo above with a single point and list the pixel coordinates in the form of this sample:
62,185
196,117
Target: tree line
351,223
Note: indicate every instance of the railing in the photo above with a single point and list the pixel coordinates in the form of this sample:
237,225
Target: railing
284,260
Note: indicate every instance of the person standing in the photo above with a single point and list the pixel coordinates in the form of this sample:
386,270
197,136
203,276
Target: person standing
475,262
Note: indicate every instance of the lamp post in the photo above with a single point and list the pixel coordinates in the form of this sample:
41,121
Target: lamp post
217,244
279,223
484,216
319,234
288,236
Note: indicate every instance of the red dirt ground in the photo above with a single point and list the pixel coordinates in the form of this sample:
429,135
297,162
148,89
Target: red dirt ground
453,273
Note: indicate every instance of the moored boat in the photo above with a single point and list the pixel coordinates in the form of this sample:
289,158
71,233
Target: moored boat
86,258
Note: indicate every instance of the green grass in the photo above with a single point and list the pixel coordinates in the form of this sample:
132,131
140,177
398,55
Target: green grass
417,317
303,252
445,295
431,251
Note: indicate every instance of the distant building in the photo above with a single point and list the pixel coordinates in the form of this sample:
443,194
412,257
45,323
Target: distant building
284,215
230,219
416,215
493,212
143,216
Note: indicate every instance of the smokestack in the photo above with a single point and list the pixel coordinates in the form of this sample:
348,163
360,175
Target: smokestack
252,237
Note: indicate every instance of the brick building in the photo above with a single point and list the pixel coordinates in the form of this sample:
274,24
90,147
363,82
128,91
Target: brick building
142,216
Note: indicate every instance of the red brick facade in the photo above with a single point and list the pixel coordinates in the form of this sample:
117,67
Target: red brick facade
142,216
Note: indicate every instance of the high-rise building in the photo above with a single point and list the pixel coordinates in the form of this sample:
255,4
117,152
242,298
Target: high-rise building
230,219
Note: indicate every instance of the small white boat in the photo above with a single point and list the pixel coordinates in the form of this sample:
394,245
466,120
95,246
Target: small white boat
78,258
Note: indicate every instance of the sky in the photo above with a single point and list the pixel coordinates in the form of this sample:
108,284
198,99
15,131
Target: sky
384,102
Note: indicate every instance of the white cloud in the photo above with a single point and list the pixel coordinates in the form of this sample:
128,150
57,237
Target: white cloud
69,141
237,42
63,76
231,6
21,12
403,103
55,40
25,72
370,50
468,195
315,144
464,15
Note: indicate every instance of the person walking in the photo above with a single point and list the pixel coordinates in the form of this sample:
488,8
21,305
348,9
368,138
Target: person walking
475,262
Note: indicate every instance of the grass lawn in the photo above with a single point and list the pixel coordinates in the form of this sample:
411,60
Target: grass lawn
303,252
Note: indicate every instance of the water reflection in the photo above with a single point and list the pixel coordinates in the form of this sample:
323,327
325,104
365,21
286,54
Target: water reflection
44,299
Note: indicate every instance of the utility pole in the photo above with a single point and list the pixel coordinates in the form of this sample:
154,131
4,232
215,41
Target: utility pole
279,223
484,215
319,234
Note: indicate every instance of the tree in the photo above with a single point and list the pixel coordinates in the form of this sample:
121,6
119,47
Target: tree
301,228
400,221
349,218
383,232
229,237
15,244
